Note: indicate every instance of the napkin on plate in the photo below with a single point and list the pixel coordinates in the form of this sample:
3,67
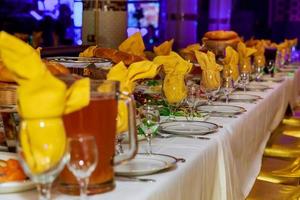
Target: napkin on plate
191,48
164,49
41,96
244,57
175,68
231,62
259,55
133,45
211,78
127,79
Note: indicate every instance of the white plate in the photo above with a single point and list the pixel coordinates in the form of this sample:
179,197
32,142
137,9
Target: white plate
272,79
255,87
286,69
226,109
145,164
188,127
241,97
15,186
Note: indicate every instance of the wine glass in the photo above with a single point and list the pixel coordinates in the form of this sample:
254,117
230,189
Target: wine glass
83,160
192,99
228,87
149,122
211,90
245,76
174,93
43,152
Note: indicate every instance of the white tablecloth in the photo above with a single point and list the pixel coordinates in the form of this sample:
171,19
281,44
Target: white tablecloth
224,167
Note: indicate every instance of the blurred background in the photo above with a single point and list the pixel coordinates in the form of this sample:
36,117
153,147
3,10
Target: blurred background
74,22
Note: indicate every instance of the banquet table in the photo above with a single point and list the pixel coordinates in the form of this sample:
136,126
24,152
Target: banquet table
222,168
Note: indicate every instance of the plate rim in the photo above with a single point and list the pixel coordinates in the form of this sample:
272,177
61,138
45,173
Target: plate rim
198,133
253,95
149,172
240,107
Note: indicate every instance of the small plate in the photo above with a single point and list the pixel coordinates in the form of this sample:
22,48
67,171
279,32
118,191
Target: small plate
286,69
224,109
272,79
188,127
14,186
145,164
241,97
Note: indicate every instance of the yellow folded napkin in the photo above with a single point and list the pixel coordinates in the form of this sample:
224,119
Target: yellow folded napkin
231,62
175,68
127,79
244,57
164,49
133,45
211,78
191,48
41,96
89,52
259,55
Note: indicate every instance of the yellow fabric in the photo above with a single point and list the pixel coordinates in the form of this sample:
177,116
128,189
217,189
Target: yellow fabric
175,68
133,45
164,49
127,79
259,55
40,96
192,48
211,78
89,52
231,62
244,57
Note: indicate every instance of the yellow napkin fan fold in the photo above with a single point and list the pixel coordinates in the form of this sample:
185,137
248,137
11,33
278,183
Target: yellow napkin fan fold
164,49
259,55
211,78
133,45
244,57
175,68
41,96
127,78
231,63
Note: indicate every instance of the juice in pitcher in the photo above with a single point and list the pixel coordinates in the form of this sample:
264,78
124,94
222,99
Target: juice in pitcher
97,119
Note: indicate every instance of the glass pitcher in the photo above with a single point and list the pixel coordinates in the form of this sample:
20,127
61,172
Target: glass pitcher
99,119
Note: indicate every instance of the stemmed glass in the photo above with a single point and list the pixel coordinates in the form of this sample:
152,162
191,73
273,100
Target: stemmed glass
176,97
228,87
44,155
245,76
211,91
192,99
149,122
83,160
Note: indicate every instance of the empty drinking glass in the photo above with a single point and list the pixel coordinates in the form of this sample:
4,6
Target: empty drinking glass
83,160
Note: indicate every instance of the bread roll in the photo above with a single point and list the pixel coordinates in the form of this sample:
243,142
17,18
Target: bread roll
116,56
220,35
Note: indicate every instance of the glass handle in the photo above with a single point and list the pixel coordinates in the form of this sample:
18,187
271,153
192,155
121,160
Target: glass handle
133,142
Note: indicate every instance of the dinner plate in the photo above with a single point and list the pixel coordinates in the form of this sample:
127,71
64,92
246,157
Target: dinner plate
224,109
255,87
286,69
241,97
272,79
145,164
188,127
14,186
